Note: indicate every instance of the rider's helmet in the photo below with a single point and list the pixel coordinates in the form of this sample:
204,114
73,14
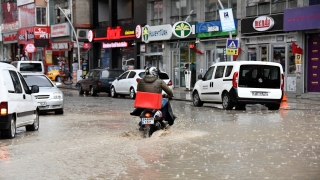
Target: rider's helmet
152,71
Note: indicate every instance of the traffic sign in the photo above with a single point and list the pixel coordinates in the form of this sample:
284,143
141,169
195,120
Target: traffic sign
232,47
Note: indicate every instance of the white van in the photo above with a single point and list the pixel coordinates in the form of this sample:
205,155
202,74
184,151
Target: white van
18,107
29,66
238,83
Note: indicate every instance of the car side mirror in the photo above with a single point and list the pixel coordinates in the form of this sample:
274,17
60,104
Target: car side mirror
200,76
34,89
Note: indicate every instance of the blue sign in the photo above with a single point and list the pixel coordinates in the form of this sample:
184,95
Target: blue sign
232,43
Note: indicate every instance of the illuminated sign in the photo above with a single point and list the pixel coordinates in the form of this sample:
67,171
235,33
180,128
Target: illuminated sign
129,32
263,23
90,36
138,31
114,44
156,33
115,34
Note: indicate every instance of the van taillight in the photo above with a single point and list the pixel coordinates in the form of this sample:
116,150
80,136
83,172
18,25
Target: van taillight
3,108
138,79
169,83
282,81
235,80
99,83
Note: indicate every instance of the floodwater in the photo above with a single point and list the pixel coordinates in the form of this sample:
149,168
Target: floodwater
97,138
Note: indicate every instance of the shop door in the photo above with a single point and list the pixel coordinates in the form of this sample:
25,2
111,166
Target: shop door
278,55
175,57
209,56
252,53
263,52
313,63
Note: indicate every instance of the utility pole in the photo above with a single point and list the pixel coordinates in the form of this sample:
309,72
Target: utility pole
230,33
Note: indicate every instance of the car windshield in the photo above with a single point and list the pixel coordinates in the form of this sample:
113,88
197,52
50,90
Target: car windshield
111,74
30,67
39,80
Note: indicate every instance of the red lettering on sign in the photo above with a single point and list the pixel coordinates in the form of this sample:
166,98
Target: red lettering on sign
114,33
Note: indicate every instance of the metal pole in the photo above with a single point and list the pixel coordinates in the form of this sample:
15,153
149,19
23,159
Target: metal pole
75,34
230,33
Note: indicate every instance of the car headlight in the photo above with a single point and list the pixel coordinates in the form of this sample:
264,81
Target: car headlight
57,95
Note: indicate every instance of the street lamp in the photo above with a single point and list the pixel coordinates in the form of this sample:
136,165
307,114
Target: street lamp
75,34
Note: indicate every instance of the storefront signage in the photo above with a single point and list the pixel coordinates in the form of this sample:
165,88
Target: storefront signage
116,34
41,33
114,44
182,29
263,23
60,46
212,29
90,35
156,33
303,18
30,48
25,35
86,46
59,30
129,32
227,21
23,2
138,31
10,38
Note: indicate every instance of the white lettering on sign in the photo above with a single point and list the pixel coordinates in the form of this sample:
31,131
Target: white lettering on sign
114,45
59,46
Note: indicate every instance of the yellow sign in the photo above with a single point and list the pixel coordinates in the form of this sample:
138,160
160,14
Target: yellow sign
298,58
232,51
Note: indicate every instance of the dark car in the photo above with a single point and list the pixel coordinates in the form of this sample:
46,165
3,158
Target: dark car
98,80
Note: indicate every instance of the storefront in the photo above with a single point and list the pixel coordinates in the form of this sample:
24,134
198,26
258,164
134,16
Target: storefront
263,39
305,20
114,46
10,46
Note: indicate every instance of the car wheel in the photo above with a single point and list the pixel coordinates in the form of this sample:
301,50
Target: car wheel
196,99
11,132
226,102
92,91
35,125
60,111
80,90
132,93
273,106
113,92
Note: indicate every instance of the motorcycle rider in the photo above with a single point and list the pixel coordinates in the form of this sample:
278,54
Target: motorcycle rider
153,84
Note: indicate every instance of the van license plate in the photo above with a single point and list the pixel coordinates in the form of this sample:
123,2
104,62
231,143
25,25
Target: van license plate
259,94
147,120
42,103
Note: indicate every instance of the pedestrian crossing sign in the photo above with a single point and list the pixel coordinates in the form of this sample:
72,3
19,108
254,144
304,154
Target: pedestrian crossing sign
232,47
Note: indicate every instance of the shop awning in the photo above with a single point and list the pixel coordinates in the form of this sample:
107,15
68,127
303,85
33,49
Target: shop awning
151,54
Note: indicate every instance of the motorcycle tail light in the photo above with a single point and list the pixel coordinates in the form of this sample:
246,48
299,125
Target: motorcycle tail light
169,83
99,83
148,114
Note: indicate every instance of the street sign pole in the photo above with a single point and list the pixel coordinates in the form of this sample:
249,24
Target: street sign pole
230,32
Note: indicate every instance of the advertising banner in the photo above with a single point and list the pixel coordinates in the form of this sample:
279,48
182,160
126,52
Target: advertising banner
27,15
10,16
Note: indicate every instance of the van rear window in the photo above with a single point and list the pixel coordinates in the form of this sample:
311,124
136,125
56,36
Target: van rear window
33,67
259,76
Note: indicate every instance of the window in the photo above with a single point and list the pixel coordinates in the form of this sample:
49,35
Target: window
180,10
16,82
60,18
266,7
124,75
228,71
209,73
219,72
24,84
212,8
156,12
41,15
132,74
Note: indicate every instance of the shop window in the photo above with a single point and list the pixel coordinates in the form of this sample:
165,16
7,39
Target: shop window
156,12
41,13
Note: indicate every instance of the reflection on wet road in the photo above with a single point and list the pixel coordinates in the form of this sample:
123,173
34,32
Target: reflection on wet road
96,138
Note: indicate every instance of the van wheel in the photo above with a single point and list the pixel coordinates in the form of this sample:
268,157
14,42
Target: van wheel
113,92
226,102
11,132
132,93
92,91
196,100
35,125
80,90
273,106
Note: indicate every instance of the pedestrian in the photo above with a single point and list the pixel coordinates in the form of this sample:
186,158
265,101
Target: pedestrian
17,58
75,65
148,65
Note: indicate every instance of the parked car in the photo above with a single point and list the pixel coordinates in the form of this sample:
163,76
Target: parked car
18,106
238,83
49,97
29,66
53,72
126,83
98,80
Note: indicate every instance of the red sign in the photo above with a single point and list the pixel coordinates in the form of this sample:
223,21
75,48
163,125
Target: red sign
26,35
116,34
30,48
86,46
10,38
41,32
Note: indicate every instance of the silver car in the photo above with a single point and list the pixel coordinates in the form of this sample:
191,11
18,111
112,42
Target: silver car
50,97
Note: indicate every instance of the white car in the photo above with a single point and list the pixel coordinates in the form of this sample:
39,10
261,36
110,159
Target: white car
237,83
18,106
126,83
50,97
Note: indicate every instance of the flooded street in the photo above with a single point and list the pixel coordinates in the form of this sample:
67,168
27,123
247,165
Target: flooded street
97,138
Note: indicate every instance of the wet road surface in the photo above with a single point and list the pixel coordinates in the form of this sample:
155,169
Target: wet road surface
97,138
